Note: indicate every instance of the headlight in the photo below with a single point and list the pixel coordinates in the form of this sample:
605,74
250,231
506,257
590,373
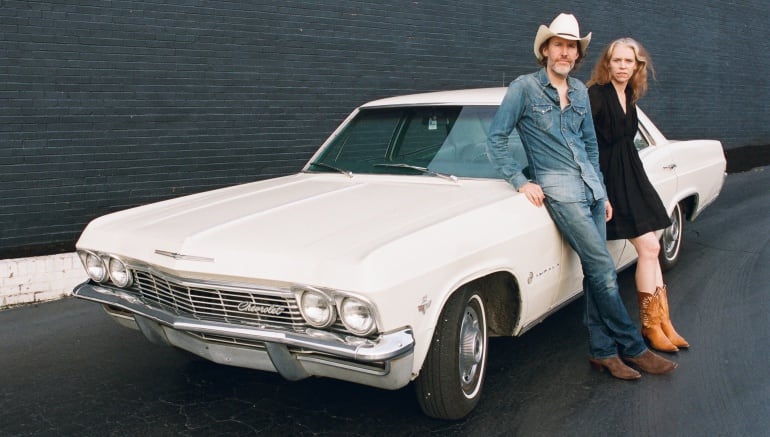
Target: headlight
119,274
357,316
95,267
316,308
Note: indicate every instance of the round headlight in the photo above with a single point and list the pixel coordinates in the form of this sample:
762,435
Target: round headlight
357,316
95,267
119,274
317,309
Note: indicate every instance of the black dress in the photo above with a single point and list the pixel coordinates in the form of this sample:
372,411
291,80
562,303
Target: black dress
637,208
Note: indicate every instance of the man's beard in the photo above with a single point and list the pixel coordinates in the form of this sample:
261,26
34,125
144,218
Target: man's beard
562,69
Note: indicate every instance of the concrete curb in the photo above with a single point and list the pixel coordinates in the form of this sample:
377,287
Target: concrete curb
39,279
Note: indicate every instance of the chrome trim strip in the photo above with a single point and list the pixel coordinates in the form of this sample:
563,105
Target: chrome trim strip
201,283
180,256
386,347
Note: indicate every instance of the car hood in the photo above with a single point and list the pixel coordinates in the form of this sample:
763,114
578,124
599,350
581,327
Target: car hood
304,227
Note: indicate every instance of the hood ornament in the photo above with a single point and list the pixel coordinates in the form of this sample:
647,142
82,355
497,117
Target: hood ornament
179,256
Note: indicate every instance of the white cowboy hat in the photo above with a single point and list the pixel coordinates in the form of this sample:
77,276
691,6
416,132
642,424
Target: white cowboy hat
564,26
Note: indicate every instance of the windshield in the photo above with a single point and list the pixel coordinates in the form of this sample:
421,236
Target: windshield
430,140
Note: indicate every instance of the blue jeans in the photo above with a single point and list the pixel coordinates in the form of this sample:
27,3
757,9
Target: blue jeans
610,329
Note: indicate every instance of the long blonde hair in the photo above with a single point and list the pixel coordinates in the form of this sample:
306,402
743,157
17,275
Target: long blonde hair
638,82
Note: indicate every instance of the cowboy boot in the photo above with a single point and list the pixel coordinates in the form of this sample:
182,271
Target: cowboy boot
665,322
650,316
651,363
616,366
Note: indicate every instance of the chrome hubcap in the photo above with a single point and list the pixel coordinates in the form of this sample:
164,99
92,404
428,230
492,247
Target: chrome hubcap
471,348
671,236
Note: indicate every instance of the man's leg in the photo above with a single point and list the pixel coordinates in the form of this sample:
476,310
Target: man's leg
609,325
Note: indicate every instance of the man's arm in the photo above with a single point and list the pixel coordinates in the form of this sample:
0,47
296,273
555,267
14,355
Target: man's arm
592,145
505,120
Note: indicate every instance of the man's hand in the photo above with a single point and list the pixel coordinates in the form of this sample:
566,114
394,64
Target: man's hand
533,192
607,211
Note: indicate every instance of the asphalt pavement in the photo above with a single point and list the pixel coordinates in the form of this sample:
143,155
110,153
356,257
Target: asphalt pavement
67,369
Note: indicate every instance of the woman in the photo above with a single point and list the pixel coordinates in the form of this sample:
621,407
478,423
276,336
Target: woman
618,81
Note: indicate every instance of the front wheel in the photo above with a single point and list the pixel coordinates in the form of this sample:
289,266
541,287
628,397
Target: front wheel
450,382
671,240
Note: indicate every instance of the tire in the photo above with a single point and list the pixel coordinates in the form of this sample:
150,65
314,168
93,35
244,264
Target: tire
671,240
451,379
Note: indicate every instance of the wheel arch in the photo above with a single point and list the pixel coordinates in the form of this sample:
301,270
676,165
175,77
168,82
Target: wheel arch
502,297
688,203
689,206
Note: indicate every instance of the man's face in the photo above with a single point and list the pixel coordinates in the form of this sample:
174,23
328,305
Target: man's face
561,55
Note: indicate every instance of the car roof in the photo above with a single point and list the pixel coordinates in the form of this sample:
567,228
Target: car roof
474,96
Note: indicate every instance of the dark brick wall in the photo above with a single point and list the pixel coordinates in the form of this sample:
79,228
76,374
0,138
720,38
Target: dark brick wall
107,105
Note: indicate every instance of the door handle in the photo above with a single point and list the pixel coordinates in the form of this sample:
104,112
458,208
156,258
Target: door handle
669,166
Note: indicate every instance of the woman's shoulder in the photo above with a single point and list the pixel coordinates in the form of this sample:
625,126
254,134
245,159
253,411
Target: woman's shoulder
596,94
598,88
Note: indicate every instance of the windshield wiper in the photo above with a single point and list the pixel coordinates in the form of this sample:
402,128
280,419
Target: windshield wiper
425,170
331,167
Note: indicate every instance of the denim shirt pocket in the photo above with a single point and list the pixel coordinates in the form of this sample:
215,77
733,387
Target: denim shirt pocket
579,113
541,114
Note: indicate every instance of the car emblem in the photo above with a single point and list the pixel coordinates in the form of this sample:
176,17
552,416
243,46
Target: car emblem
424,304
255,308
180,256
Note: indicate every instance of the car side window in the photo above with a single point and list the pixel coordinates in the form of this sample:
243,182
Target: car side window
640,142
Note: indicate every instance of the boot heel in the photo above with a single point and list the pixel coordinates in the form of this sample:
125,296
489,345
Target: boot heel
596,365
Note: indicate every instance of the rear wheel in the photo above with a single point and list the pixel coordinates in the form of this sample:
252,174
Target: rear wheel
450,382
671,240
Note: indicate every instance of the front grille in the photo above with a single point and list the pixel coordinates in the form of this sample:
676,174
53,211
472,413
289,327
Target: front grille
253,307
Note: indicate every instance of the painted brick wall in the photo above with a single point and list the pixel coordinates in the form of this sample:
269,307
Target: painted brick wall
39,279
107,105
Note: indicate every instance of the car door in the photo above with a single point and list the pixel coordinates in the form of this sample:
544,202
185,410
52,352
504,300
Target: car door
572,273
661,171
659,165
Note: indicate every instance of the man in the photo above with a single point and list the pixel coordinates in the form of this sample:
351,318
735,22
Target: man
552,113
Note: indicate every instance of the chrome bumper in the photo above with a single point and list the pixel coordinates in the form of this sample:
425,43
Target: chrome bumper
392,351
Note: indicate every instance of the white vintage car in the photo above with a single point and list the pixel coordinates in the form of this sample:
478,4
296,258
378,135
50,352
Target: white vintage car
390,258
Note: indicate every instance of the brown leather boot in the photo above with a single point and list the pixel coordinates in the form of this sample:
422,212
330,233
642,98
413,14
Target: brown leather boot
650,316
665,321
652,363
616,366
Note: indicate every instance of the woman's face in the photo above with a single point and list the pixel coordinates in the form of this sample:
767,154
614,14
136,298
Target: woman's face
622,64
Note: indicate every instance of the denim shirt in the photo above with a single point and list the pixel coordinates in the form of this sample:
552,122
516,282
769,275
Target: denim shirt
560,145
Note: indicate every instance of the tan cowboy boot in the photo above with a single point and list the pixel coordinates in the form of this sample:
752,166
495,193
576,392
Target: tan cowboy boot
650,316
665,321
